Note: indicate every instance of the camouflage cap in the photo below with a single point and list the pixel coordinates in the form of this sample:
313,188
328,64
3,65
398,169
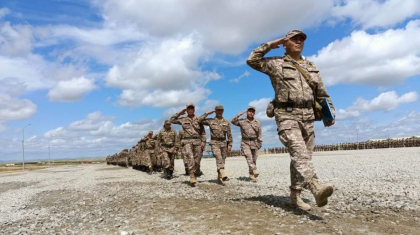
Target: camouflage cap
167,122
295,32
150,132
251,107
190,104
218,107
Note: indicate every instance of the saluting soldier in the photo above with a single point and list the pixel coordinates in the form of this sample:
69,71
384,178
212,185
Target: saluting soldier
168,147
221,139
251,139
297,85
194,139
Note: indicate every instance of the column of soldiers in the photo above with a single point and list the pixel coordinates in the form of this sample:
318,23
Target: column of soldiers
156,152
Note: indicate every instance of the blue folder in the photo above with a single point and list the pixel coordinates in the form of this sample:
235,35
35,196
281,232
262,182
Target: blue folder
328,115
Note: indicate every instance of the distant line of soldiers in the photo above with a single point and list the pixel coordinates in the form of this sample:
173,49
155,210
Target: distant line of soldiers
370,144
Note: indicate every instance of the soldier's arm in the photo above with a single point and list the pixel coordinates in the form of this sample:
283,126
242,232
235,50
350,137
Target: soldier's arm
259,137
257,61
203,135
202,119
177,142
235,120
159,141
229,135
321,93
175,118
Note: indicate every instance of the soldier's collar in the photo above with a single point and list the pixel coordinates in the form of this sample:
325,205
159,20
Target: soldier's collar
290,59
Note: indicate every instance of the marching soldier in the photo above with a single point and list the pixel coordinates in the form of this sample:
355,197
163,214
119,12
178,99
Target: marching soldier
194,140
219,130
297,86
168,147
150,145
251,139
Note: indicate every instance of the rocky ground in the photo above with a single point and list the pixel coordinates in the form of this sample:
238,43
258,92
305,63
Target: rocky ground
376,192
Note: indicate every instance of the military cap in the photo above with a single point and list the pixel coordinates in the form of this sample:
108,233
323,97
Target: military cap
190,104
150,132
167,122
251,107
295,32
218,107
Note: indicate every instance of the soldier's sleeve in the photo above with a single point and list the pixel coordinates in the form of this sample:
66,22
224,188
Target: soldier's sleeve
177,144
229,135
235,120
321,93
175,119
257,61
203,134
143,139
202,119
159,140
259,138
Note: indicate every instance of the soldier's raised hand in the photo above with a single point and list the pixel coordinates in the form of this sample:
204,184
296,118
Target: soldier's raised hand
276,43
182,112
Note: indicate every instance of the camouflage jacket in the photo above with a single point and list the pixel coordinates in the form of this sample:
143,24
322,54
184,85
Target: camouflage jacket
288,82
250,130
219,130
167,140
194,132
149,143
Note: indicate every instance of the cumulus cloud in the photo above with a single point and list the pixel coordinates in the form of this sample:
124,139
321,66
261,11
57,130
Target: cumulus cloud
71,90
15,40
373,13
383,59
227,26
386,101
15,109
164,74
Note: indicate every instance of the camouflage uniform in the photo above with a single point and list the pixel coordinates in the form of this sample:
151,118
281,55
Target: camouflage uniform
168,144
251,139
149,145
181,148
219,129
194,136
296,127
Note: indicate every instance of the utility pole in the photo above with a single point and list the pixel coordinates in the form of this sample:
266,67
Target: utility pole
23,146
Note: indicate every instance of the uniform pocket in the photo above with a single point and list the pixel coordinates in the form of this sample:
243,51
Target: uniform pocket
289,72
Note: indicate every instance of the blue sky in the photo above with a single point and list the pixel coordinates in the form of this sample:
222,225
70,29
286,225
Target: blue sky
93,77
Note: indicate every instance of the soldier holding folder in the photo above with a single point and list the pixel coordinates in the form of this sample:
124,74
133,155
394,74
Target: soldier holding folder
297,85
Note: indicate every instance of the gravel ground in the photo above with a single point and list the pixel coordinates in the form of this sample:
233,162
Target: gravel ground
376,192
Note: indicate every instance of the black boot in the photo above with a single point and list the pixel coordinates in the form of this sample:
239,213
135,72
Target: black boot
169,175
187,172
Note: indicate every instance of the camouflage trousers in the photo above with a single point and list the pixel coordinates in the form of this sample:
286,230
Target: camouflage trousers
193,153
220,153
251,156
157,160
168,160
150,158
298,137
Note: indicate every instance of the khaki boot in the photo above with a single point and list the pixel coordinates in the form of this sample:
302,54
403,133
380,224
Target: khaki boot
150,170
220,178
296,201
256,173
252,177
193,180
223,174
321,192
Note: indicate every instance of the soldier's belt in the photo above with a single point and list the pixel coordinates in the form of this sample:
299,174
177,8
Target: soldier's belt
303,105
218,138
191,138
249,138
168,145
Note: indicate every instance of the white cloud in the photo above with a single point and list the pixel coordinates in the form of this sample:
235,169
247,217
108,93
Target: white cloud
381,59
15,109
163,75
15,40
227,26
4,11
373,13
236,80
71,90
386,101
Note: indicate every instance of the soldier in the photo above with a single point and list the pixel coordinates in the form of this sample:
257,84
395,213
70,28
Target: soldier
219,130
150,145
168,146
181,149
294,79
194,140
251,139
